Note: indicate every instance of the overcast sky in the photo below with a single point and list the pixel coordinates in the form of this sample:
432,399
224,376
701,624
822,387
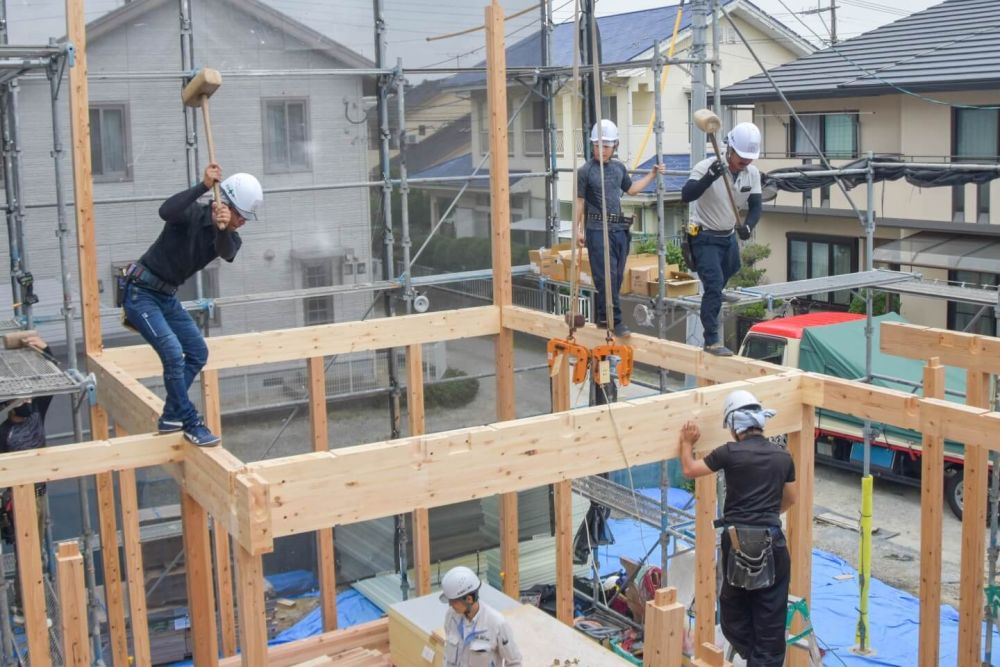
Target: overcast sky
410,22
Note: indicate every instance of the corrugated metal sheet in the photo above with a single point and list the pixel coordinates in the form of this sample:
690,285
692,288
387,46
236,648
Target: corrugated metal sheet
950,46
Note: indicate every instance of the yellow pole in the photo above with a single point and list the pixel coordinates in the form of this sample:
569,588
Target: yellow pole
663,83
863,636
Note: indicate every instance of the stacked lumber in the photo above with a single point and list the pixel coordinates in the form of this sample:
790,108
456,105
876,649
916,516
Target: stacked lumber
357,657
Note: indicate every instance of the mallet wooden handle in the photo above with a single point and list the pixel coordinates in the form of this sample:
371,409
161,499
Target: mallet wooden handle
210,141
725,177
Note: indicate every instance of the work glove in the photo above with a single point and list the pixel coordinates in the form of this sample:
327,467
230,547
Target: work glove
744,232
714,171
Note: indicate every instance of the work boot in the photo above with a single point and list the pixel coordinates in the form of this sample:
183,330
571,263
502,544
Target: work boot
165,425
622,331
199,434
719,350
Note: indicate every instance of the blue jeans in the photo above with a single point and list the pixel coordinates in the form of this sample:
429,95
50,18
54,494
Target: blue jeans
619,240
717,259
172,332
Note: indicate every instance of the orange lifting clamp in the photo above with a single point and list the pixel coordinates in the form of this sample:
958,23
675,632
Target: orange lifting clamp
559,348
601,356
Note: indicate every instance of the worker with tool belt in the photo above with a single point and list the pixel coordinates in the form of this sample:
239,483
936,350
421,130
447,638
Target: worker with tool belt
712,228
760,486
591,204
476,634
194,235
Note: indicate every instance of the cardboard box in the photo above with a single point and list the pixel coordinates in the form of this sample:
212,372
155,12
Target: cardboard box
535,259
677,284
552,267
641,276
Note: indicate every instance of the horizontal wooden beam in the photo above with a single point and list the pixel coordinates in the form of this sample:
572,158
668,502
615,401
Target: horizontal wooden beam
268,347
50,464
952,348
372,635
393,477
648,350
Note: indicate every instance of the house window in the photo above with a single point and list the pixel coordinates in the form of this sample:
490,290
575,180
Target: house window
961,315
109,143
836,134
286,136
975,138
317,309
812,256
484,126
534,128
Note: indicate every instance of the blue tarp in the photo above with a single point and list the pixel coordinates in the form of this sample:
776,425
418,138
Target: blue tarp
894,614
352,608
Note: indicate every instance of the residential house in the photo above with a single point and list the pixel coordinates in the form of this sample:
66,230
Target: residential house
627,99
925,88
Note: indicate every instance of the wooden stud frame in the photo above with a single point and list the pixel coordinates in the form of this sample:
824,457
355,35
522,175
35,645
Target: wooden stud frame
256,502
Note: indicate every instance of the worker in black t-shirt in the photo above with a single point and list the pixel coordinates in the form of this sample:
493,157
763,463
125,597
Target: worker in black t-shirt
760,485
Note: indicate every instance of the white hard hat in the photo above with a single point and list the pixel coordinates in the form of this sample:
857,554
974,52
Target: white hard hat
243,192
608,131
745,140
737,400
458,582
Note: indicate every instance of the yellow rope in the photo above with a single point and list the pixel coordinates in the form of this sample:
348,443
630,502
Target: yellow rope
663,87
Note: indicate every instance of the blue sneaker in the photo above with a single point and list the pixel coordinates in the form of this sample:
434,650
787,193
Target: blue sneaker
199,434
165,425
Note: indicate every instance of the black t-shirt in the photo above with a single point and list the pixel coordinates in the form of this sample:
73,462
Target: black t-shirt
189,240
616,181
756,473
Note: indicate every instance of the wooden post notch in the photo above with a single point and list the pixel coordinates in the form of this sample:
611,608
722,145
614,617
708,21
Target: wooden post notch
664,630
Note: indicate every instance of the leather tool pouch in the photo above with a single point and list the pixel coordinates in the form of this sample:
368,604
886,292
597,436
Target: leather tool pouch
751,565
686,252
122,281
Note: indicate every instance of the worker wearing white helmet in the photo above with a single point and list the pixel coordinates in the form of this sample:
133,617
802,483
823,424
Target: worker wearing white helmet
193,235
476,635
592,202
760,485
712,226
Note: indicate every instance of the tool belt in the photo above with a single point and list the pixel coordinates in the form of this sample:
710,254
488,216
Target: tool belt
140,275
686,251
750,564
613,219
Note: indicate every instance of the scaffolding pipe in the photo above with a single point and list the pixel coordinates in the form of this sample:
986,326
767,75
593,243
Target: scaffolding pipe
13,92
553,218
716,63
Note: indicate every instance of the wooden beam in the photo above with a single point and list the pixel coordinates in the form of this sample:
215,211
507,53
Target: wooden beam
952,348
971,600
269,347
663,630
320,435
198,565
83,184
73,605
211,401
931,493
705,489
802,446
862,401
134,571
421,516
49,464
29,564
393,477
562,495
666,354
253,621
709,655
496,97
372,635
114,594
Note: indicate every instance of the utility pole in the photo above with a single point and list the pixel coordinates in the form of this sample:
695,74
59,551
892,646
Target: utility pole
833,18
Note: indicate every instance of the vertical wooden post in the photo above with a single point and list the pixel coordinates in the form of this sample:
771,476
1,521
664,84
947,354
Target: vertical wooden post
802,446
320,434
705,555
709,655
563,501
29,565
134,570
931,493
664,630
496,95
253,623
971,600
201,600
418,426
73,605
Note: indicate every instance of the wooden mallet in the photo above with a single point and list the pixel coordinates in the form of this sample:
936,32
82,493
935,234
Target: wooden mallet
709,123
196,95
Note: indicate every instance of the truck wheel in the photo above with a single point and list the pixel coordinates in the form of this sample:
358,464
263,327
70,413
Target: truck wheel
953,491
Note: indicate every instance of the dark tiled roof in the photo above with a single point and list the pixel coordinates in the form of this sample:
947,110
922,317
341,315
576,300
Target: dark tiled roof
677,162
461,166
950,46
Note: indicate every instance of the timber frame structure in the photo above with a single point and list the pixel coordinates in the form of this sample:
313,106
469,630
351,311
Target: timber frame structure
237,509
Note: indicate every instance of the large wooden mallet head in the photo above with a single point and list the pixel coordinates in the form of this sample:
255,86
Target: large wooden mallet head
705,119
204,83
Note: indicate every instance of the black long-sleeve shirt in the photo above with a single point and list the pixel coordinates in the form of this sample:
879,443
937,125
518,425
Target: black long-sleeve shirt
189,240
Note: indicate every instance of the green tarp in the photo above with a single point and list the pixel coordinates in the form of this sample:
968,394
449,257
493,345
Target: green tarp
839,350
